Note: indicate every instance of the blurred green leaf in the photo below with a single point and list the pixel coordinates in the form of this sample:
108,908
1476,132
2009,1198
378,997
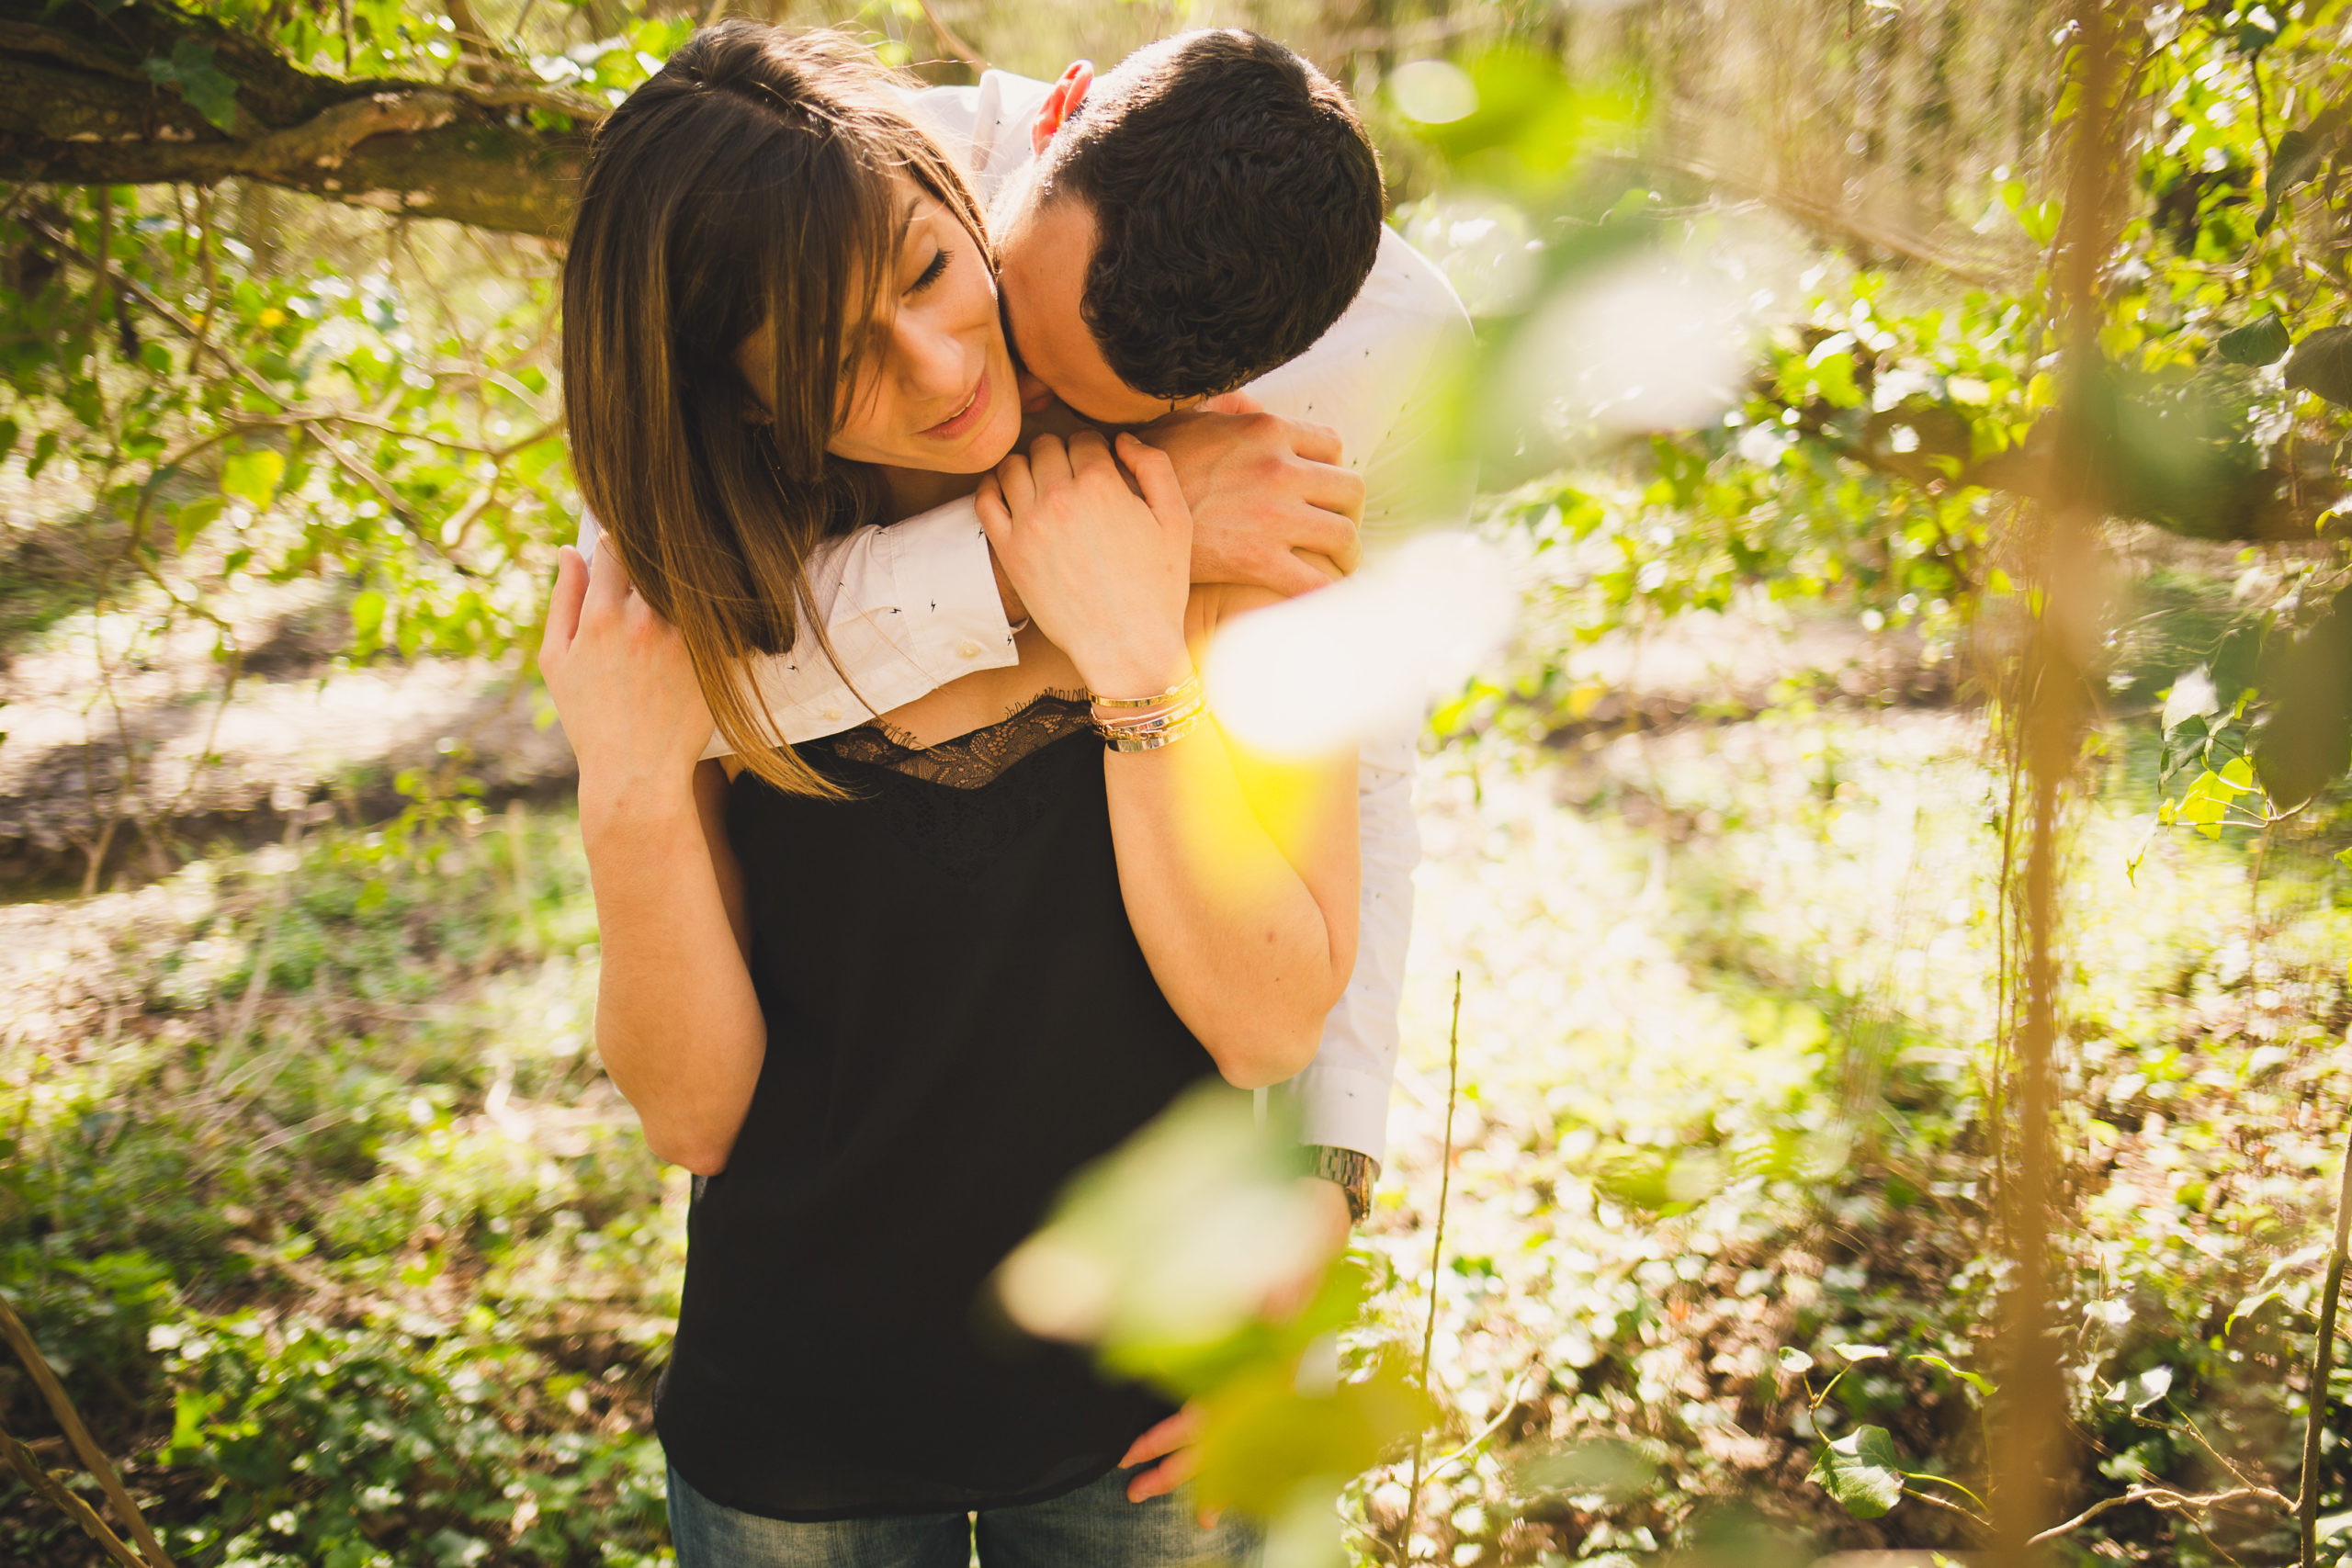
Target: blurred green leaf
1260,1438
253,477
209,90
2256,342
1862,1472
2322,362
1977,1380
2304,742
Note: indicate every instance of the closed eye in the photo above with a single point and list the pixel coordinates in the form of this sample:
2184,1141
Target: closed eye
929,274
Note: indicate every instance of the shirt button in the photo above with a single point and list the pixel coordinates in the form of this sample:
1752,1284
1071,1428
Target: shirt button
967,649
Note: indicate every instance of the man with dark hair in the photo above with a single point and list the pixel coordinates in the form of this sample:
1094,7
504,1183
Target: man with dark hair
1222,203
1194,245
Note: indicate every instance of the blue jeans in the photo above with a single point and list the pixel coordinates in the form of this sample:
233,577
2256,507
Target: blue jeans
1094,1527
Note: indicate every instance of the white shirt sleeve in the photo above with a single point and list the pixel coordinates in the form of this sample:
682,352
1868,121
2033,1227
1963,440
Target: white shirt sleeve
1341,1099
1381,377
907,608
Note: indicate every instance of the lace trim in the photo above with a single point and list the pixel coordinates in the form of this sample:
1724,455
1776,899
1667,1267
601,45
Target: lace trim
969,762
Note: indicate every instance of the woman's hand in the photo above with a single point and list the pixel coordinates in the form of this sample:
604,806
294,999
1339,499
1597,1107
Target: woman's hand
1104,572
624,686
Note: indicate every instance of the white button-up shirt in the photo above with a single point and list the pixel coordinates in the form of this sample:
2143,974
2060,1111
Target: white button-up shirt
911,605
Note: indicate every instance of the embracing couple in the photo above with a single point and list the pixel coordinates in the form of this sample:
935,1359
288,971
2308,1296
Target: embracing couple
933,433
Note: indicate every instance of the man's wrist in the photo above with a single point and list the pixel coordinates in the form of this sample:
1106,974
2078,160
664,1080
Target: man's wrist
1351,1170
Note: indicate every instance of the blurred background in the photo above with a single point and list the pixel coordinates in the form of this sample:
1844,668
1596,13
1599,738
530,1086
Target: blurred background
1894,876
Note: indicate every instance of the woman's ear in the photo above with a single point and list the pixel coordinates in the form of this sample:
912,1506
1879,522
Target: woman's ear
1060,103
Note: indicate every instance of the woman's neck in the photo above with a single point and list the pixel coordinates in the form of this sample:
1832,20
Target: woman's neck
920,489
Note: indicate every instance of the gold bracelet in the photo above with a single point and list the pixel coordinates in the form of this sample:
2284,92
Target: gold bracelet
1166,732
1187,688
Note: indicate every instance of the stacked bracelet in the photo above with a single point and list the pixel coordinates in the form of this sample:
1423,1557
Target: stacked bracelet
1145,724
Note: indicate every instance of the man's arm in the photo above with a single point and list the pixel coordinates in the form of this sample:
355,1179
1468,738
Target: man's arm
907,608
913,605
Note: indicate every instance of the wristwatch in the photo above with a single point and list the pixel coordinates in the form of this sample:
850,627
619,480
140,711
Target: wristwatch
1353,1170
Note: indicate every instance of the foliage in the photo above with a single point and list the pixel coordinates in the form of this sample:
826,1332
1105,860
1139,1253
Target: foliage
371,1281
316,1165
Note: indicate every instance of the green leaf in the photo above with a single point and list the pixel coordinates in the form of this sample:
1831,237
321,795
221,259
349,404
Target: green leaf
367,620
2192,697
1795,1360
7,436
2305,741
194,518
209,90
1862,1472
1856,1354
1260,1437
1977,1380
2322,362
2256,342
253,477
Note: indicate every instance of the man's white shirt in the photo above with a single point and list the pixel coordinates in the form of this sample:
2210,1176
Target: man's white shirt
911,605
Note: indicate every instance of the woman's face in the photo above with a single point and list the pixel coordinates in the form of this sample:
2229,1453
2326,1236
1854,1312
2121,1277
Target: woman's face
934,390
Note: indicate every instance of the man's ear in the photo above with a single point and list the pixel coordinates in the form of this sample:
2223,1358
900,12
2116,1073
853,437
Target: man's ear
1061,103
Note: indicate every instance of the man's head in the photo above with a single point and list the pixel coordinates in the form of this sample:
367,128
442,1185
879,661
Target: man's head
1198,217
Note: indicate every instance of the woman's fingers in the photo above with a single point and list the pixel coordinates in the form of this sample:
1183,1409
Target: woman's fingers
564,607
1156,475
996,521
1049,459
1016,484
1090,455
608,585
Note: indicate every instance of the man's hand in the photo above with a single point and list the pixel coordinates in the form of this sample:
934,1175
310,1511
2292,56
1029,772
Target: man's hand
1267,495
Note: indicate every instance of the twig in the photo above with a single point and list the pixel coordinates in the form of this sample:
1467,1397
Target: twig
2307,1503
1511,1406
2156,1497
1436,1258
956,46
22,1461
94,1458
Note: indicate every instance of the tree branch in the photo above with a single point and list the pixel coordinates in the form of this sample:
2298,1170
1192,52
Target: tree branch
78,108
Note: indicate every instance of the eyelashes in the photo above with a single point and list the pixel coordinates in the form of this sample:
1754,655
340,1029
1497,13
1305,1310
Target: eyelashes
931,275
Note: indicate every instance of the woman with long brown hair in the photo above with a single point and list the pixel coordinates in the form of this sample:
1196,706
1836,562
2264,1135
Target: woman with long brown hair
887,992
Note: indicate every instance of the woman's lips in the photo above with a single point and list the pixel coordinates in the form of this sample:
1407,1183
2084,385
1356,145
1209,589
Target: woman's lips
964,420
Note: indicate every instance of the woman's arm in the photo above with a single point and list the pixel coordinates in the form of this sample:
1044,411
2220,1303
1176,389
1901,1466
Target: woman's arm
677,1021
1239,876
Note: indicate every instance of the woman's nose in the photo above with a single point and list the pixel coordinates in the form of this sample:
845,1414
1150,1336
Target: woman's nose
933,360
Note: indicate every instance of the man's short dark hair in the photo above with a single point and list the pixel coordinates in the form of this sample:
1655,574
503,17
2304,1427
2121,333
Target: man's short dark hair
1236,205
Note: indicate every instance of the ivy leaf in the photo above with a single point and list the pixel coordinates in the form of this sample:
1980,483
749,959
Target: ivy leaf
2256,342
2192,698
2322,362
1856,1354
2305,741
1860,1470
1977,1380
209,90
1795,1360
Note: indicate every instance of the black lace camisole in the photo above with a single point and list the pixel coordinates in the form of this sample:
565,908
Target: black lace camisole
959,1019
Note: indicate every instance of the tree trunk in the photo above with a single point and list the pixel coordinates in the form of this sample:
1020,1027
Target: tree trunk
80,105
